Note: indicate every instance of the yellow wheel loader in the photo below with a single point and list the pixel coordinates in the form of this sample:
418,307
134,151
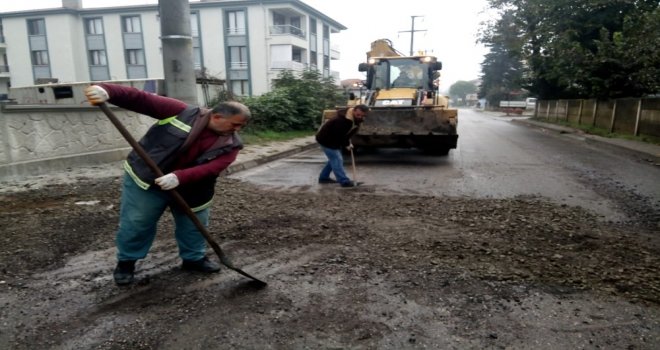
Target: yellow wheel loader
406,109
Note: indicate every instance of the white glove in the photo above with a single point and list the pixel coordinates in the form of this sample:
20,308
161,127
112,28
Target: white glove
349,147
168,182
96,94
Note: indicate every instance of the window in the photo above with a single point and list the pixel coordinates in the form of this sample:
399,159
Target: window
94,26
295,27
131,24
97,58
194,24
134,57
313,59
278,19
326,32
197,58
295,22
240,87
236,22
238,57
296,54
40,58
197,50
312,26
36,26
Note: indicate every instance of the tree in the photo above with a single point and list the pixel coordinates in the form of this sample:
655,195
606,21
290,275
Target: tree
295,103
461,89
502,68
581,48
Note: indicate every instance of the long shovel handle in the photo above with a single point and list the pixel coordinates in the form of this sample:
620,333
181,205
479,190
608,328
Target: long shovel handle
177,197
353,163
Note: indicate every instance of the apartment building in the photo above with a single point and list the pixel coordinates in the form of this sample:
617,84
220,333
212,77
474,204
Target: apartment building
245,42
4,67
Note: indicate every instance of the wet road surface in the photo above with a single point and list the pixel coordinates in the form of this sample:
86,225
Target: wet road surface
495,158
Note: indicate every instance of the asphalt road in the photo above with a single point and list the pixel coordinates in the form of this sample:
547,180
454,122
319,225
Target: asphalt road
495,158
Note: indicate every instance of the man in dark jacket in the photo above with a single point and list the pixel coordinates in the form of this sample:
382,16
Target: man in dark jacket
334,135
191,146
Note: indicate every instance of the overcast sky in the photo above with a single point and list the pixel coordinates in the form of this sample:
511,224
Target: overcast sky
451,28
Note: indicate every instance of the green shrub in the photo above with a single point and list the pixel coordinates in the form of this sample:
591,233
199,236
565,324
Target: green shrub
295,103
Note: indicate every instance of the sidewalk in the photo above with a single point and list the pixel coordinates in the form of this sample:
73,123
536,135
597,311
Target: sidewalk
252,156
646,151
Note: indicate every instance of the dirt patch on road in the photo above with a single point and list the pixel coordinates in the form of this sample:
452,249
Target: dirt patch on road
346,269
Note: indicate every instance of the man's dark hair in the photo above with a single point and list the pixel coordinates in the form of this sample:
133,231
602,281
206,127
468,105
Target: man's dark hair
364,108
229,108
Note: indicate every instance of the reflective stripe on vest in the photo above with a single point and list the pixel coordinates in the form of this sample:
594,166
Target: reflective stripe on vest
203,206
143,185
176,123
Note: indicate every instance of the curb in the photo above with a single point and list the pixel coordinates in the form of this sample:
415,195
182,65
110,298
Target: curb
646,152
252,163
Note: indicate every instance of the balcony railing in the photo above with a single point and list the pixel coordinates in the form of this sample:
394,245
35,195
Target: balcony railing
287,29
236,31
4,69
238,65
2,39
290,65
334,53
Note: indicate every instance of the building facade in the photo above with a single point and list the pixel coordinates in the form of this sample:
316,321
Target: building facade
247,43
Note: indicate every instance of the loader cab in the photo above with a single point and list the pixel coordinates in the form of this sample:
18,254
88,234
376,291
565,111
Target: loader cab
404,72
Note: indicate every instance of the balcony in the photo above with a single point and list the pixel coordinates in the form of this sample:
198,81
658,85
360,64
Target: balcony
287,29
235,31
335,76
290,65
4,71
334,52
238,65
3,44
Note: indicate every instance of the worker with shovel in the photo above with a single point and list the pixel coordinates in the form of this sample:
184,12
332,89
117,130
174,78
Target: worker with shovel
334,135
192,146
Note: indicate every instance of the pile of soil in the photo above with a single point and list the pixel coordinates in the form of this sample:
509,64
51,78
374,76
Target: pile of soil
346,269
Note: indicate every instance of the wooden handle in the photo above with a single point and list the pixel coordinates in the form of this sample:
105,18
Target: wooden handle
181,203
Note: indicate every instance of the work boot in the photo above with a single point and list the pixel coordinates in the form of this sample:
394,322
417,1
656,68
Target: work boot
351,184
202,265
124,272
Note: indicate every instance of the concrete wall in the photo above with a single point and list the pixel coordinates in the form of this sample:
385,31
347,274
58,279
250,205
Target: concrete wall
39,139
631,116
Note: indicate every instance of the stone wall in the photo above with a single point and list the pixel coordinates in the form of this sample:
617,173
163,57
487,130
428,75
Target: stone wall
38,139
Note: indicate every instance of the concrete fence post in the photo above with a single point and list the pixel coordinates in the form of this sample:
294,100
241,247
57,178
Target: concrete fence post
594,113
547,109
580,112
613,117
556,113
639,114
567,102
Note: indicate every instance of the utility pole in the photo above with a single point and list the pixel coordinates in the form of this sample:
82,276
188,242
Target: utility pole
412,32
176,39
